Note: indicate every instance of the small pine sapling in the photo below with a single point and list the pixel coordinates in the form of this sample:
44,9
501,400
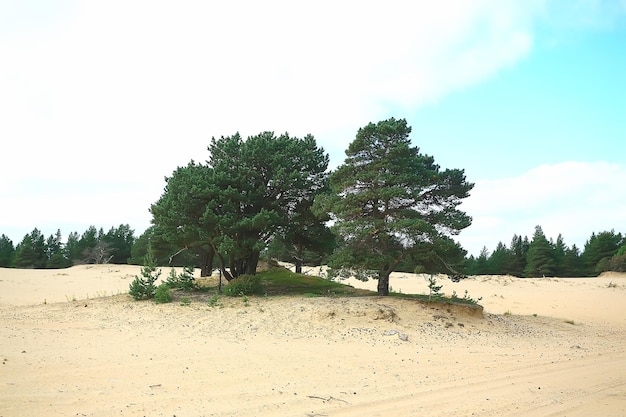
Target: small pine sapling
434,288
143,287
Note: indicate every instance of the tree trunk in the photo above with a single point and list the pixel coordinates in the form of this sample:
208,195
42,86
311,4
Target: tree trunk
383,283
251,263
223,270
206,260
298,257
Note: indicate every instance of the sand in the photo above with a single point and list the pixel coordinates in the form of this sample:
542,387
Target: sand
72,343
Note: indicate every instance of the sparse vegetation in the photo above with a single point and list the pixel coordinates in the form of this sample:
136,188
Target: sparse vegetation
162,294
214,301
244,285
143,287
466,298
433,288
184,280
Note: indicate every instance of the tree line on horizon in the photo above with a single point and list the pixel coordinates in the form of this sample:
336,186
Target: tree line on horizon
93,246
543,257
387,208
535,257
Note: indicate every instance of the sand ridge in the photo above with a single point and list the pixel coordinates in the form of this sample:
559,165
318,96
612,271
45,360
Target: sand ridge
276,356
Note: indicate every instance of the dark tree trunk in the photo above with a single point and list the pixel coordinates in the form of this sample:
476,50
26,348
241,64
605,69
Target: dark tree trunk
251,263
298,265
206,258
223,270
383,283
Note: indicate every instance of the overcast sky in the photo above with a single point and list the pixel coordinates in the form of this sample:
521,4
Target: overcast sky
100,100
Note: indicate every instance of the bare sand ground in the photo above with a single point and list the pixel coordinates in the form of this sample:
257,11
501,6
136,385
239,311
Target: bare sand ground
549,347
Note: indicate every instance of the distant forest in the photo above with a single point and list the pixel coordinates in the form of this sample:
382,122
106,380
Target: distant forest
524,257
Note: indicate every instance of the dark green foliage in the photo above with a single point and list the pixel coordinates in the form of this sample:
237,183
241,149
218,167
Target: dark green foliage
618,261
303,243
387,199
87,242
540,257
599,249
480,265
97,247
7,252
232,207
56,253
183,280
544,257
143,287
440,256
119,242
518,251
140,248
499,259
244,285
162,294
558,249
31,251
573,264
72,248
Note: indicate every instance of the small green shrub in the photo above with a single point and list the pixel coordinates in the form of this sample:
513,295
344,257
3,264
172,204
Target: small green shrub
162,294
244,285
184,280
434,288
214,301
143,287
471,300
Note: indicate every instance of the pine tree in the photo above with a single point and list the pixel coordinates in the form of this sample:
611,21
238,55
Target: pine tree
31,251
517,255
387,200
499,260
559,256
482,262
540,256
7,251
144,287
55,252
601,247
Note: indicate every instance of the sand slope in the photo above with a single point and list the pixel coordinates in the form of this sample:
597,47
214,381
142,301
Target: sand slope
296,356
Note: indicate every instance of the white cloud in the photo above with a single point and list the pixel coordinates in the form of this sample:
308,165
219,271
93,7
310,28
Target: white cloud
133,77
121,92
571,198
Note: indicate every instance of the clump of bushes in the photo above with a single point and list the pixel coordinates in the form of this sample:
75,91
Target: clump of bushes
162,294
184,280
244,285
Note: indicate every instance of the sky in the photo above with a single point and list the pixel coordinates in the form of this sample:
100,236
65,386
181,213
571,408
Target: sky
101,100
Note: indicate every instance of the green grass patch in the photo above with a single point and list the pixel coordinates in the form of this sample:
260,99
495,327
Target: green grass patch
280,281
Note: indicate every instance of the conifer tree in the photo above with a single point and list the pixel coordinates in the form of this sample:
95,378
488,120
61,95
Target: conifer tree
386,200
540,257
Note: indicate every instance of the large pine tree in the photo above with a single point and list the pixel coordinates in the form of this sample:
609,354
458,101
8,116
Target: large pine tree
246,193
387,199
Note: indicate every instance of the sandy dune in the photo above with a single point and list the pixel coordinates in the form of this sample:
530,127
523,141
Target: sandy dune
558,350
